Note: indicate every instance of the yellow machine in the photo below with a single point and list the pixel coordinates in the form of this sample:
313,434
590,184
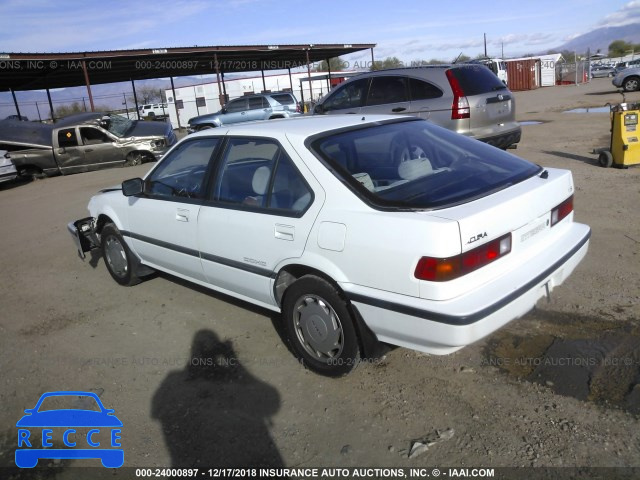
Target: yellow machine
625,137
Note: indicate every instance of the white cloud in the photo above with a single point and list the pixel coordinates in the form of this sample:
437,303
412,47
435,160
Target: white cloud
627,15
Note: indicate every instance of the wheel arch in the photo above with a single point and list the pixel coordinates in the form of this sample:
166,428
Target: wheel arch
370,346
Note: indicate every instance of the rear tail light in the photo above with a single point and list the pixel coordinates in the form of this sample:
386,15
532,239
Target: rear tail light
444,269
460,106
562,210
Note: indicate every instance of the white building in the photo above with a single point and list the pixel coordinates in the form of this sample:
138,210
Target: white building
198,99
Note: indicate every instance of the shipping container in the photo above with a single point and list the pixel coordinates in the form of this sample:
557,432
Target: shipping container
522,74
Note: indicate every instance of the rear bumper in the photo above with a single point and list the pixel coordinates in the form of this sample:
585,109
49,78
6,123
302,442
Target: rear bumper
504,140
442,327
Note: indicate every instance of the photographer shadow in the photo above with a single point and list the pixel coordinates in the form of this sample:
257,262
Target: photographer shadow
214,413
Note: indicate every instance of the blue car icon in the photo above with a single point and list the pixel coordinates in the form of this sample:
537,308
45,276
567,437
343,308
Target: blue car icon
88,413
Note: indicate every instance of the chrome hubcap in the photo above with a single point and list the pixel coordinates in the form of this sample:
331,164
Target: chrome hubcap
318,327
116,257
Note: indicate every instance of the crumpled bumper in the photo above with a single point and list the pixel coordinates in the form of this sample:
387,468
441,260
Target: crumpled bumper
84,235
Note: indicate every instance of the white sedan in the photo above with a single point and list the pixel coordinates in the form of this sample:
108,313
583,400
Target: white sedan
359,230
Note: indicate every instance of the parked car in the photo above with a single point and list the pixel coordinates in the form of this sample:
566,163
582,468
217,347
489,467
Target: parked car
82,142
17,117
264,106
358,230
628,79
600,71
468,99
8,170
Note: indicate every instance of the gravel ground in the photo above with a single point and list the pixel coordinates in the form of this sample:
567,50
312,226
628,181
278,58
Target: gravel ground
67,326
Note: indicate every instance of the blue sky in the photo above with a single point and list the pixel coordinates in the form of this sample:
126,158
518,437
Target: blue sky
409,30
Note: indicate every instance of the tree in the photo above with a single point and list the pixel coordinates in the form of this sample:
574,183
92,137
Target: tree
77,107
336,64
619,48
389,62
147,94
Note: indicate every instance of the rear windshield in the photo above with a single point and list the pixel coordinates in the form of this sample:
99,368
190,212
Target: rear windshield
477,80
284,99
418,165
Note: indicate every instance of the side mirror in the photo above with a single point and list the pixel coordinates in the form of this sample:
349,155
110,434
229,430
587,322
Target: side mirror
318,109
132,187
223,110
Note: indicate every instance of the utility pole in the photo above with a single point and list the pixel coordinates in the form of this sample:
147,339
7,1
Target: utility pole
485,45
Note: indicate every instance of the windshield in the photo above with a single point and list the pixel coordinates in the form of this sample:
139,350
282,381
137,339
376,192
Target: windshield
119,125
415,164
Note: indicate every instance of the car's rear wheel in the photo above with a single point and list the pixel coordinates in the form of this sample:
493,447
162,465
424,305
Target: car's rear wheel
117,256
631,84
320,327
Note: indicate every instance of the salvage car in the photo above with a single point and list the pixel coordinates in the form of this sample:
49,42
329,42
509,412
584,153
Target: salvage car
8,170
83,142
360,230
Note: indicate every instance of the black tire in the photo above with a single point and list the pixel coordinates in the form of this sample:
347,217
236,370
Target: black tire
320,327
134,159
117,257
631,84
605,159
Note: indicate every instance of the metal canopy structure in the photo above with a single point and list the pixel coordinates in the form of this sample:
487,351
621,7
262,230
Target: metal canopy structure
39,71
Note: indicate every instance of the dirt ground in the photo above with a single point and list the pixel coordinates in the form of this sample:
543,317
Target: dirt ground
514,399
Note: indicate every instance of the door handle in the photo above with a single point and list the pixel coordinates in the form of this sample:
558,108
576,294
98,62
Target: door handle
182,215
398,109
284,232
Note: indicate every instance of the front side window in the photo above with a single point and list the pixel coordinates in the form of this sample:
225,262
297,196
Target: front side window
258,174
93,136
182,173
350,95
237,106
416,165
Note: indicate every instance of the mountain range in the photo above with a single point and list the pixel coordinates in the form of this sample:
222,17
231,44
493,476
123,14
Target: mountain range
598,40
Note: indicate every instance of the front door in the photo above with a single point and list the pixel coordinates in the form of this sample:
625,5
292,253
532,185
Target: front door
69,152
164,219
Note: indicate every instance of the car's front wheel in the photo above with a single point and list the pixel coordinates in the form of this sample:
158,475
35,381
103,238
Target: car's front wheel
117,256
320,327
631,84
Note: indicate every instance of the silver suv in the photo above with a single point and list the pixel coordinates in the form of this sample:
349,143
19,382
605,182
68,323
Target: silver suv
263,106
466,98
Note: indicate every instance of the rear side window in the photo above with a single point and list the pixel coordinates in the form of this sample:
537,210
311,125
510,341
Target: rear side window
421,90
67,138
477,80
283,99
256,103
417,165
387,89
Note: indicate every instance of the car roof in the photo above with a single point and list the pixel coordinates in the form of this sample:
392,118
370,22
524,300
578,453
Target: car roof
303,126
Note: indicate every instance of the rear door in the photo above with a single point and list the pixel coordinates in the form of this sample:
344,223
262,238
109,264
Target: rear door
69,152
428,101
260,213
259,109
